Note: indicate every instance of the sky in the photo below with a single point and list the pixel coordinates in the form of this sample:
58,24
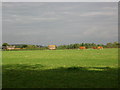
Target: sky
60,0
45,23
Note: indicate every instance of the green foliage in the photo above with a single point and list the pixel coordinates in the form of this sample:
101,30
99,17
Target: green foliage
70,46
21,46
113,45
24,46
89,45
62,47
5,44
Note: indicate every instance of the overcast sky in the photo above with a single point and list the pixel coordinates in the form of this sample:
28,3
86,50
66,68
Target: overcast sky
60,23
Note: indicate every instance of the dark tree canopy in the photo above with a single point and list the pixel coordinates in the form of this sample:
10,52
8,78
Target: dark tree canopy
5,44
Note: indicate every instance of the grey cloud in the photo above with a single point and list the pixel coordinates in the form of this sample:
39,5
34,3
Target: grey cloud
59,23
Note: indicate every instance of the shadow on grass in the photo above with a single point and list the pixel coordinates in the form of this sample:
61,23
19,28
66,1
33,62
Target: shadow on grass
35,76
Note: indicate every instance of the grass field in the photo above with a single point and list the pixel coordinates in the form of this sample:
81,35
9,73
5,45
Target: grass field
60,69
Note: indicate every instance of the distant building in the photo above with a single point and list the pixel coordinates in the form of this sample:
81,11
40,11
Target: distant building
52,47
17,48
94,47
8,47
4,47
82,47
100,47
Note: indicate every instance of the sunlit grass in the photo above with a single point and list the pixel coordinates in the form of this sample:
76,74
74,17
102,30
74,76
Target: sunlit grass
60,68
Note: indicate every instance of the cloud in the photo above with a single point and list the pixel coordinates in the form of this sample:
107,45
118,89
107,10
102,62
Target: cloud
59,23
98,14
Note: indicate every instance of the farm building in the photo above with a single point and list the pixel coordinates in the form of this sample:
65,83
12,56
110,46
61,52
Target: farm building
4,47
82,47
94,47
18,48
52,47
99,47
8,47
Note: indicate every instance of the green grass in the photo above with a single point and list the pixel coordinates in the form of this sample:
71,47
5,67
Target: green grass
60,69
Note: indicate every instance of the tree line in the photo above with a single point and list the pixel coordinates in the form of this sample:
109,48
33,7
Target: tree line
89,45
70,46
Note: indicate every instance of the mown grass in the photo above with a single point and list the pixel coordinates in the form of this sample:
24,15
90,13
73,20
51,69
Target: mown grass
60,69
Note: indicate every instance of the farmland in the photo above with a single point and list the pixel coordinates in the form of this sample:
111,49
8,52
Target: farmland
60,68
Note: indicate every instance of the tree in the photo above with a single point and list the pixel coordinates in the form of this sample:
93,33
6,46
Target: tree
31,47
115,44
76,45
82,44
5,44
24,46
109,45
